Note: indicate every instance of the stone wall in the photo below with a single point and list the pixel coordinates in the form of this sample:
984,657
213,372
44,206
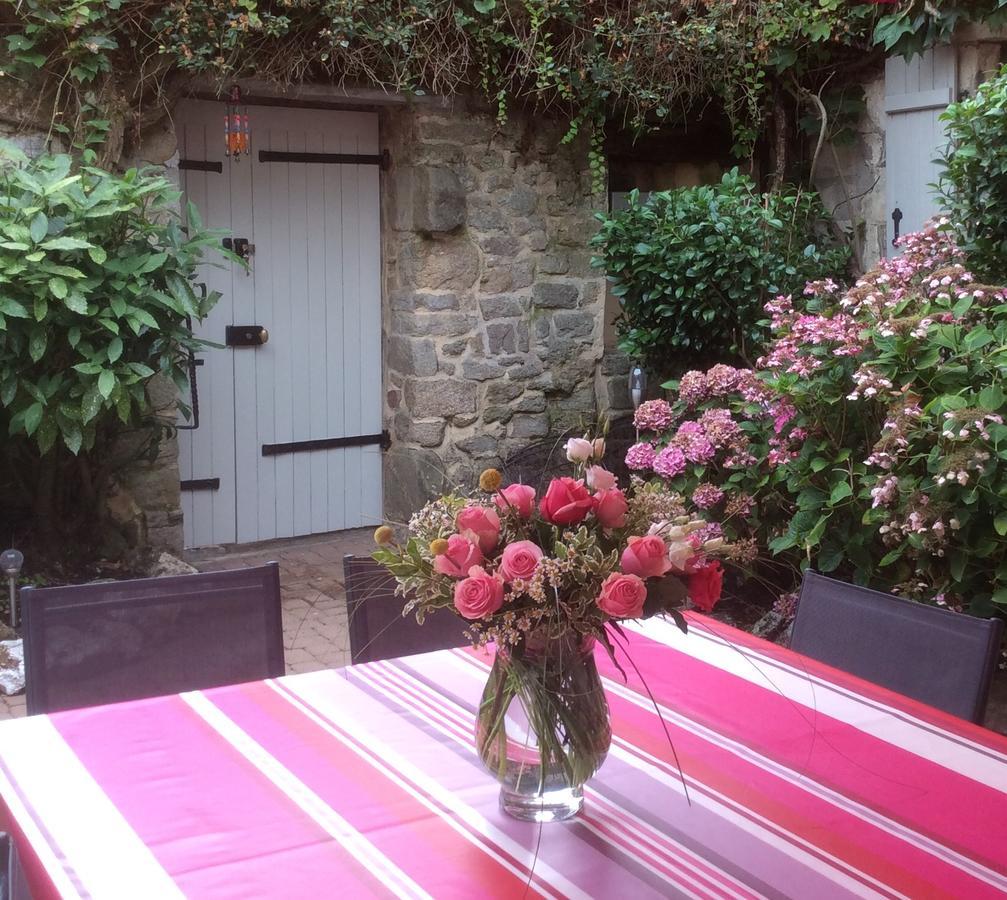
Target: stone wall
493,315
851,178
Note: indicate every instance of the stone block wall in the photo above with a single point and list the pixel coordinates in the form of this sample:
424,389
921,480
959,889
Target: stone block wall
493,316
851,178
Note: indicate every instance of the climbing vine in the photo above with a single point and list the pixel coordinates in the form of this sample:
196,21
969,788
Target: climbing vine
107,67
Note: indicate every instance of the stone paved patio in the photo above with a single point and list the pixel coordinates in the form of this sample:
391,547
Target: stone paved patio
315,633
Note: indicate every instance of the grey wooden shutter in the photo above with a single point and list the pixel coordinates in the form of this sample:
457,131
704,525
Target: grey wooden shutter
916,93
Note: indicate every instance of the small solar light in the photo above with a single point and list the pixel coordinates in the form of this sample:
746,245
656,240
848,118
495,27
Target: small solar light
11,562
637,385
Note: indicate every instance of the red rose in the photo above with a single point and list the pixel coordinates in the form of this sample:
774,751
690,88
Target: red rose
610,507
646,556
483,523
519,560
462,554
622,596
479,595
705,585
566,502
519,497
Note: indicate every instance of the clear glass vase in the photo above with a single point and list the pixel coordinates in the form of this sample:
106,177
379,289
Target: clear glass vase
543,726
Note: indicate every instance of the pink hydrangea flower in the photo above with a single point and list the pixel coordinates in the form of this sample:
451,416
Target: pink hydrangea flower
653,415
640,457
719,426
670,462
693,387
722,379
706,496
691,439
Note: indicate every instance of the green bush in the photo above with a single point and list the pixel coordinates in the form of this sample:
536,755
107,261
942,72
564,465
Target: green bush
692,268
96,286
973,184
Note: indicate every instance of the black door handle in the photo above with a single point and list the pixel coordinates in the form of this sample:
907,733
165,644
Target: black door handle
896,218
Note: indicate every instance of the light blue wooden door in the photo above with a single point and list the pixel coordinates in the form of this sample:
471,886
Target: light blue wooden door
275,418
916,93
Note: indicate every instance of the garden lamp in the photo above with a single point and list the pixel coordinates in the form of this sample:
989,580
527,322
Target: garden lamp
637,385
10,564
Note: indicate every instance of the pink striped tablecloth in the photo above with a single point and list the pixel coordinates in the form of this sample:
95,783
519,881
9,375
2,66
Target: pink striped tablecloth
799,781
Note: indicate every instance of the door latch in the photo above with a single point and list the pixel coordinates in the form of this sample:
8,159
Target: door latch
245,336
240,247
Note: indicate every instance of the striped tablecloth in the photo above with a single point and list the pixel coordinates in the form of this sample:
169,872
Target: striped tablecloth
798,781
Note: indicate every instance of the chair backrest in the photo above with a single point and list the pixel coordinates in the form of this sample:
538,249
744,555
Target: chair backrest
103,643
939,657
378,630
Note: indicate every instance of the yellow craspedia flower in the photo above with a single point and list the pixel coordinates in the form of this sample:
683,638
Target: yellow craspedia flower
438,546
383,535
490,481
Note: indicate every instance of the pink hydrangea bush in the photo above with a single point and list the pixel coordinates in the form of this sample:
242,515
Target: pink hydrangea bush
869,440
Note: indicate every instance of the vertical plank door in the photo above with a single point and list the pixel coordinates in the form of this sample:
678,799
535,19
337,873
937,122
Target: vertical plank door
314,285
206,453
916,93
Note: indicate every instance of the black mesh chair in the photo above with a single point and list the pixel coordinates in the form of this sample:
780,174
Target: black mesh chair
90,644
939,657
378,630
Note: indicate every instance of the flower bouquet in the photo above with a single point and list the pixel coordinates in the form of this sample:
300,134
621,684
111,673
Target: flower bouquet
545,579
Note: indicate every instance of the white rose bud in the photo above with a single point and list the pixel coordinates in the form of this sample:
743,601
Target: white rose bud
578,450
599,448
713,544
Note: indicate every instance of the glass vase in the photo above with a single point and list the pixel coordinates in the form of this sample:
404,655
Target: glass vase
543,726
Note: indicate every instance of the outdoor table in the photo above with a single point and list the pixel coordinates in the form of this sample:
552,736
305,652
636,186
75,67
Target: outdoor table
792,779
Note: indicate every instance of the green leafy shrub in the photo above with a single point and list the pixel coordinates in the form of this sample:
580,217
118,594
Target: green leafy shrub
973,184
871,442
96,287
693,267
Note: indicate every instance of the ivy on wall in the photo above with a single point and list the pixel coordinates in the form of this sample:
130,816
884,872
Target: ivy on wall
106,66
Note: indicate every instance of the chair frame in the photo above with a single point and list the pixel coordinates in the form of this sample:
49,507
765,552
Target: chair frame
360,635
94,594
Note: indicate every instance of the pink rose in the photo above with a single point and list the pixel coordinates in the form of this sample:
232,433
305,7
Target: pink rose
482,522
598,448
622,596
705,585
600,479
578,450
610,508
480,595
646,556
520,497
566,501
461,556
520,560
